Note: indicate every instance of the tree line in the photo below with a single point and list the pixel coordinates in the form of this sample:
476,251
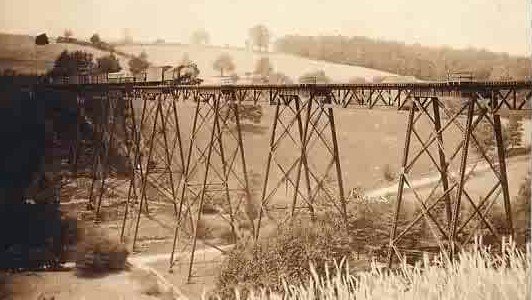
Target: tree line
83,63
427,63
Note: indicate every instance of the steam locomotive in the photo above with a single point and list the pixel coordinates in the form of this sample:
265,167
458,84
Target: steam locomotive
186,74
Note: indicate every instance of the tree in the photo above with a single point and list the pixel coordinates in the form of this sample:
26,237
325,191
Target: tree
357,79
73,63
224,62
422,62
68,33
139,64
515,131
260,37
95,39
314,77
185,59
200,37
128,38
108,64
280,78
378,79
143,55
263,68
485,135
8,72
41,39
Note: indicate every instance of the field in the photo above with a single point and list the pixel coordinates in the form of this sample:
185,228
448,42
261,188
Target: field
21,54
245,61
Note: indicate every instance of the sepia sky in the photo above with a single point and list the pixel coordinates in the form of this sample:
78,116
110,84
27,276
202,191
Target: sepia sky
497,25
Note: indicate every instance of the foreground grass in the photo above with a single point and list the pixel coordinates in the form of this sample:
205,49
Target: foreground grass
476,274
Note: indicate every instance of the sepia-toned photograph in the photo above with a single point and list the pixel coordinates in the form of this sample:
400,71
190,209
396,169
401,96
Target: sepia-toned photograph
281,149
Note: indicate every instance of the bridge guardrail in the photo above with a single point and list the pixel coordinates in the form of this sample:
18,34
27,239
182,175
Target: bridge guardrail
95,79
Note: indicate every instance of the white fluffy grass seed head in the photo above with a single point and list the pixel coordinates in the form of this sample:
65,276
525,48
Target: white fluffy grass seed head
476,274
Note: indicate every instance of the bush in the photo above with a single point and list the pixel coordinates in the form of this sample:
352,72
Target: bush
209,208
95,39
73,63
8,72
314,77
108,64
388,174
139,64
485,136
43,237
99,253
521,210
246,112
285,255
41,39
203,230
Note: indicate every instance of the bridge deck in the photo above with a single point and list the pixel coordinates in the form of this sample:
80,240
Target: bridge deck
498,95
448,85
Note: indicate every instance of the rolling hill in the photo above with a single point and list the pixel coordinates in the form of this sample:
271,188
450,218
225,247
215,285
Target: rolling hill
19,52
290,65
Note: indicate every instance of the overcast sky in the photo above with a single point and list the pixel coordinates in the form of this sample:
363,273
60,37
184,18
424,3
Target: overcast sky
498,25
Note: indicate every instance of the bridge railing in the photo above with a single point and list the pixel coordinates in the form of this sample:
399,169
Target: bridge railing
96,79
438,85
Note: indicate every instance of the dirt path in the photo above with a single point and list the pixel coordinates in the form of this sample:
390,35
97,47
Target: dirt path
434,178
206,266
150,259
132,284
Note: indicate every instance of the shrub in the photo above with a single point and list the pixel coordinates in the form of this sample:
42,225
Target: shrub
209,208
246,112
8,72
41,39
388,174
485,136
314,77
138,65
203,230
223,63
286,254
521,211
95,39
98,253
515,131
73,63
108,64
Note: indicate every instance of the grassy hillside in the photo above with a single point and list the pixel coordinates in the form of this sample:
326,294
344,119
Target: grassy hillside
291,65
20,53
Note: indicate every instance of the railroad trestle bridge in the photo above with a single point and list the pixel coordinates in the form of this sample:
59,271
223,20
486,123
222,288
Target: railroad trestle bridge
187,142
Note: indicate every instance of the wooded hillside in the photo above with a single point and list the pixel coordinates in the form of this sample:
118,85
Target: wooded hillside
427,63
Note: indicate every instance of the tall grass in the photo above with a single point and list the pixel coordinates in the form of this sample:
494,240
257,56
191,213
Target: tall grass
476,274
